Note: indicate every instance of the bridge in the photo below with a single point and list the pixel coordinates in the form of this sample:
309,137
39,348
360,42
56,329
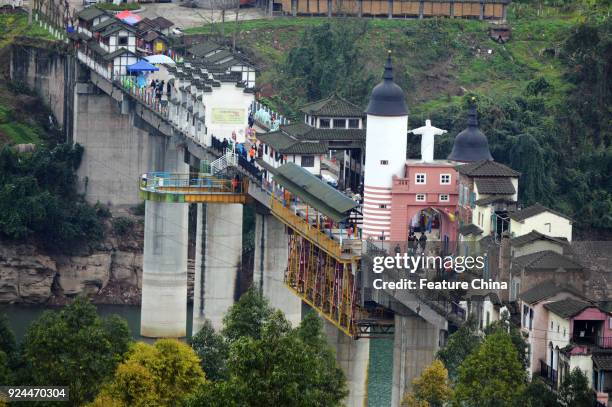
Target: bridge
307,248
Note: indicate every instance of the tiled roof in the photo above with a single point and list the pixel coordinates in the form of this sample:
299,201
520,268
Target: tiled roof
162,23
568,307
495,186
305,132
535,235
115,54
603,361
534,210
101,26
117,26
285,144
333,106
545,261
90,13
150,36
494,199
470,229
203,48
545,290
486,168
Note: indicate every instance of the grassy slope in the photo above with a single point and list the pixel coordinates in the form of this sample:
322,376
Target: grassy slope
440,59
16,125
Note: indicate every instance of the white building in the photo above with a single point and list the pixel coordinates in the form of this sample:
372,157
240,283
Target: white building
542,219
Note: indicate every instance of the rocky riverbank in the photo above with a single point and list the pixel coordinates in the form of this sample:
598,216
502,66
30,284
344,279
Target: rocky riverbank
109,274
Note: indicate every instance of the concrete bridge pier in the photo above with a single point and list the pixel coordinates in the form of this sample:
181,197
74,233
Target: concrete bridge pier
270,263
217,263
415,345
164,277
353,357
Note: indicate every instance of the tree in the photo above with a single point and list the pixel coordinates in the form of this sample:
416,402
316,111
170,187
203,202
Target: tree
491,376
460,344
272,364
212,349
431,389
6,376
246,317
8,345
537,394
74,347
153,375
516,336
575,390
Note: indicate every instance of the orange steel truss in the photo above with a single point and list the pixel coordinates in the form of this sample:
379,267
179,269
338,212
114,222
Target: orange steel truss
323,281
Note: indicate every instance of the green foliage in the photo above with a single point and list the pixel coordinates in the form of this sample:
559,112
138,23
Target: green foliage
271,364
516,336
8,345
575,390
492,375
38,198
156,375
74,347
431,389
246,317
6,375
460,344
122,226
212,349
139,210
538,394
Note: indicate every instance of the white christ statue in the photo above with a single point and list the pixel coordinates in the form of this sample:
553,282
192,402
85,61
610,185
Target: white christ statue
427,134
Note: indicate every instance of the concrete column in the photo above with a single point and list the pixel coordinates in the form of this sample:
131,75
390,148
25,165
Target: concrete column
222,259
414,347
452,9
198,282
271,259
390,8
164,278
421,9
482,7
294,7
360,6
353,357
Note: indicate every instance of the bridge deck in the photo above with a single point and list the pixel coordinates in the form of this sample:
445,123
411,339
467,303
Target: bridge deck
192,188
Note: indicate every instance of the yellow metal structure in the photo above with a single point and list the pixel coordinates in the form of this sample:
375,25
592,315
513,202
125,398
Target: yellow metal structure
192,188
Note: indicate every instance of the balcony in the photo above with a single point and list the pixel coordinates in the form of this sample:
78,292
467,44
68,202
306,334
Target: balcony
593,340
548,374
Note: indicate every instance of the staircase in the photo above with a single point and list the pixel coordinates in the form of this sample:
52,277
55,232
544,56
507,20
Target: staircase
229,159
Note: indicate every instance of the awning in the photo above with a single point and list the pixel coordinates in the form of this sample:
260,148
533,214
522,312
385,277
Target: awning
314,192
160,59
142,66
128,17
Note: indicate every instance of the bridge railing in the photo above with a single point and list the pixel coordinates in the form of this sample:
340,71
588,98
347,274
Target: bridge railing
145,94
192,184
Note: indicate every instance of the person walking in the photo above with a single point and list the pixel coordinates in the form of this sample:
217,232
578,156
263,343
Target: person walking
423,241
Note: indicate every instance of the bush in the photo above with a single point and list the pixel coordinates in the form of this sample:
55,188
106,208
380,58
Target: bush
122,226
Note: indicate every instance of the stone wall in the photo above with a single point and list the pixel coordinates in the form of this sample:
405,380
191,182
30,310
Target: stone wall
51,74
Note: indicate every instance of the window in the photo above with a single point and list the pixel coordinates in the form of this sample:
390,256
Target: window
353,123
324,123
445,179
420,178
308,161
551,325
547,226
382,206
339,123
525,315
420,197
384,162
123,41
444,198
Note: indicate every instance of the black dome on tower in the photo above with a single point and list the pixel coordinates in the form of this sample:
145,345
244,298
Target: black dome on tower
387,97
471,144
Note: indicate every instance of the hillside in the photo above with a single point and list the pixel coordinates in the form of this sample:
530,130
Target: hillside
23,117
543,97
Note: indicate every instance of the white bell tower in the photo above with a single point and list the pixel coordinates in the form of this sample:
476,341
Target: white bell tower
386,144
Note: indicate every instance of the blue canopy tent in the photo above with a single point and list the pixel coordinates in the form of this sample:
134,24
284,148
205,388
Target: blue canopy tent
141,68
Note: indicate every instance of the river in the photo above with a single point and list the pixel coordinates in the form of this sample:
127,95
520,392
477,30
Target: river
21,316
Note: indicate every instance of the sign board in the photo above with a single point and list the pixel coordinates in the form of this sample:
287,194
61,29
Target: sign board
222,115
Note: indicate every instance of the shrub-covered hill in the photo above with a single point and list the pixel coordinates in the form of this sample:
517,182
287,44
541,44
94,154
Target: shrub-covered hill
544,97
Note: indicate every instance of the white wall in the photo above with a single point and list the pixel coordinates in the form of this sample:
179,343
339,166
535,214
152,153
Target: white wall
537,246
297,159
386,139
559,226
228,96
